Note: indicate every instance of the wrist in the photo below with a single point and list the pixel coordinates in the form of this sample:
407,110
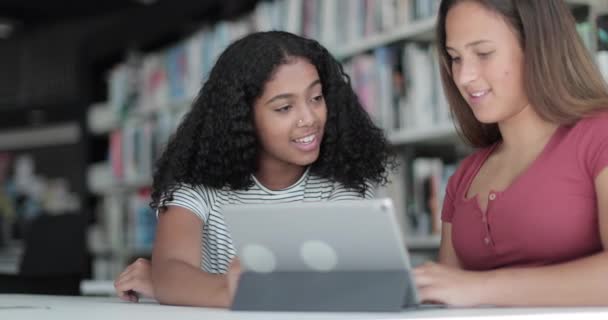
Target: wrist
486,287
224,294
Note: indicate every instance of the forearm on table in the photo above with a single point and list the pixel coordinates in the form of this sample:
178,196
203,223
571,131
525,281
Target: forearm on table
178,283
582,282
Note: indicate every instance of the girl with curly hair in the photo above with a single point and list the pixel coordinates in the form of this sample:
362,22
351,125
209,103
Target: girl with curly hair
525,218
276,121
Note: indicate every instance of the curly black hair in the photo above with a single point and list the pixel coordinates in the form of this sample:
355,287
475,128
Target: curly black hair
216,145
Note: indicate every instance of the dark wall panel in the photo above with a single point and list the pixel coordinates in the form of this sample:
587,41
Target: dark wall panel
51,68
10,74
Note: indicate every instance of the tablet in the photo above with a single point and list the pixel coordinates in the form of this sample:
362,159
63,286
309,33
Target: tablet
346,255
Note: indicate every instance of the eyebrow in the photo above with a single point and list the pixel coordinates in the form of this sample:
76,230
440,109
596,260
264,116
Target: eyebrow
470,44
289,95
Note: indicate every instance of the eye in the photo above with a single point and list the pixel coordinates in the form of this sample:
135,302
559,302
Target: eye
455,60
318,98
283,109
484,55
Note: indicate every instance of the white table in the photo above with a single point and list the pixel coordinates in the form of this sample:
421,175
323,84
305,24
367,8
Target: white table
37,307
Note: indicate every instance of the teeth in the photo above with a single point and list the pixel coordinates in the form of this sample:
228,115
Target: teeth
478,94
307,139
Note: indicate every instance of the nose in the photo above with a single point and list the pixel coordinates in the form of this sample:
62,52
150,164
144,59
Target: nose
466,72
307,116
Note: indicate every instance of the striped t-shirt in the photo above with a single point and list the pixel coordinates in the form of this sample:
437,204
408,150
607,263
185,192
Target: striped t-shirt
206,203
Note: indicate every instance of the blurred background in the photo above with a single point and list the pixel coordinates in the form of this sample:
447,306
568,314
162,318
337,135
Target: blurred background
90,91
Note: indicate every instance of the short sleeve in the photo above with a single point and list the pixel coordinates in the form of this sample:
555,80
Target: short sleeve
595,143
192,198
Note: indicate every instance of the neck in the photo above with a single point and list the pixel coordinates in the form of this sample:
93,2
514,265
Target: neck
525,131
278,177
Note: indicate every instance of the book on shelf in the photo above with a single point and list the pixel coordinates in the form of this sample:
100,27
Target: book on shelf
417,189
141,223
176,65
425,105
426,194
154,89
101,119
348,22
602,45
115,154
400,86
385,67
425,8
602,32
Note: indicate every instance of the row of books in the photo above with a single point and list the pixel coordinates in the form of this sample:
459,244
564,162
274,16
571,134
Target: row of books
125,229
148,82
133,231
417,189
135,147
339,23
141,221
400,86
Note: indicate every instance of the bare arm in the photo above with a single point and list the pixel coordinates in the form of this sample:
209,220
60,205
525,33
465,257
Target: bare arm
176,274
576,283
447,254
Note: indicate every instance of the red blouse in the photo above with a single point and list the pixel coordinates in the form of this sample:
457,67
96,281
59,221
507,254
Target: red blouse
549,213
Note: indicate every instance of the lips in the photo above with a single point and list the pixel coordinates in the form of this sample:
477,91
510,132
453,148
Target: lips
475,96
307,143
306,139
478,93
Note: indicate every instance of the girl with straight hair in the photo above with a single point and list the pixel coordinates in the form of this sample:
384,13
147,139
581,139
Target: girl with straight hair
525,218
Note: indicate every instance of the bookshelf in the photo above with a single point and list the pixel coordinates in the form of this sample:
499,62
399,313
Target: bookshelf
417,31
440,133
403,47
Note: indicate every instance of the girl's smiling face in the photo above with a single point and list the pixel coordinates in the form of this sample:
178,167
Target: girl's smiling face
290,115
486,62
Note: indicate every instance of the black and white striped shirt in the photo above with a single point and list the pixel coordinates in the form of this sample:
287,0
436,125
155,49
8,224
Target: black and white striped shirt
206,203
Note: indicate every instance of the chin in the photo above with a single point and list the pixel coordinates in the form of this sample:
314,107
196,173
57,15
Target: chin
306,160
487,118
486,121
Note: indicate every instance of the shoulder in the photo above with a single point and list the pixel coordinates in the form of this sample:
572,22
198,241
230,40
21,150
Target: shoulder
197,198
194,191
595,124
590,138
589,134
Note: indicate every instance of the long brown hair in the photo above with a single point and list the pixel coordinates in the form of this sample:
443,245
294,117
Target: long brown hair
561,80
